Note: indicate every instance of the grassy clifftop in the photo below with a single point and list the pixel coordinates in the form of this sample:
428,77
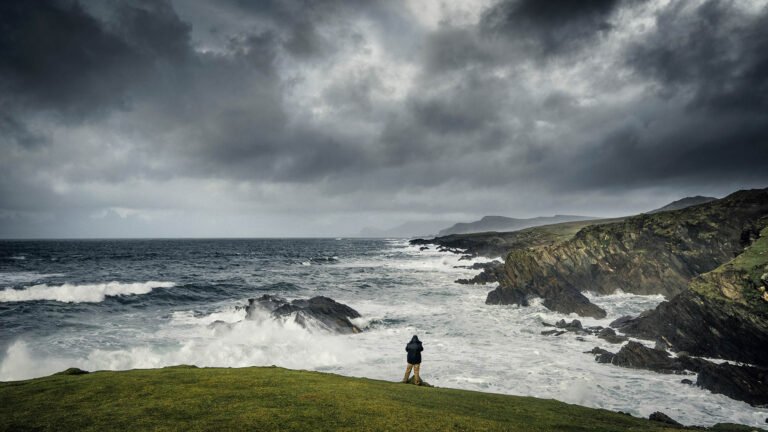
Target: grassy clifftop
646,254
190,399
742,280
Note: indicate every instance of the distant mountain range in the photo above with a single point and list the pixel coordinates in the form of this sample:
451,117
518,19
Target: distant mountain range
407,229
683,203
502,223
499,223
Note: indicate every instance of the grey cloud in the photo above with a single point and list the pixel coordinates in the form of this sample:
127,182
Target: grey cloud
54,56
549,27
344,107
717,52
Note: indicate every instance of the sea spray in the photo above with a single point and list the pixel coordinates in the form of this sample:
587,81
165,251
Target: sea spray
398,289
87,293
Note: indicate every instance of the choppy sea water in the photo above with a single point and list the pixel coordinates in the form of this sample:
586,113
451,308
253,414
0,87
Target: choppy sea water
122,304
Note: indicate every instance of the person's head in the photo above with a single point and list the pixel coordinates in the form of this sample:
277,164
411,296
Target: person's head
415,338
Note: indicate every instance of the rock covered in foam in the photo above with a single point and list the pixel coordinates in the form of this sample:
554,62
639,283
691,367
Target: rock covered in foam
330,314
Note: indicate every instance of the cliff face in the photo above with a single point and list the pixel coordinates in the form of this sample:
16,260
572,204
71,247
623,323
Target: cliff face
723,314
495,244
646,254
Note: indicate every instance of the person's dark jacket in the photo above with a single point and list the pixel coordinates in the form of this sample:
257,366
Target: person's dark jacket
414,350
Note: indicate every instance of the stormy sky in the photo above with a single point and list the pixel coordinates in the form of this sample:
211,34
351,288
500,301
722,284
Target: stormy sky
318,118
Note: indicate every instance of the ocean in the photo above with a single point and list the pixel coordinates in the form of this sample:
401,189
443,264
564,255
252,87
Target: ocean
124,304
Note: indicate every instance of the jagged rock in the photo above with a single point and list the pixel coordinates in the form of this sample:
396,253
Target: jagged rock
744,383
661,345
573,325
331,314
507,297
730,331
564,301
602,355
423,248
610,336
686,381
492,272
663,418
553,332
638,356
619,322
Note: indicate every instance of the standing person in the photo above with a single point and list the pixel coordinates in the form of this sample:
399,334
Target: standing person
414,350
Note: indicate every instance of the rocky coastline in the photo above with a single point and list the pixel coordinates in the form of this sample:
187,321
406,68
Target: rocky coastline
709,260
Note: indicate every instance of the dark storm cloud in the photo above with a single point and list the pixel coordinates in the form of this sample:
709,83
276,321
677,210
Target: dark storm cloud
348,106
718,53
712,62
54,56
549,27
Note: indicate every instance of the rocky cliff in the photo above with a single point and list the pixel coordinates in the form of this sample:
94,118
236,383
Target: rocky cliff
723,314
645,254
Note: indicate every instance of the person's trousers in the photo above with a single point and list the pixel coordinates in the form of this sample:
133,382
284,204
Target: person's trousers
415,368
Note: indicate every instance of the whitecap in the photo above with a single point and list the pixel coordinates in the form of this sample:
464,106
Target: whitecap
86,293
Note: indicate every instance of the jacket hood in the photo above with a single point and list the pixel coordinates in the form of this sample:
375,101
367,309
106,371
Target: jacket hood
415,339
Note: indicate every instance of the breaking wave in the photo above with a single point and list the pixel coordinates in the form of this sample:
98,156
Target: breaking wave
86,293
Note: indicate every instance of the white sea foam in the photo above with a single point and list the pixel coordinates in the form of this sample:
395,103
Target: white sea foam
468,344
86,293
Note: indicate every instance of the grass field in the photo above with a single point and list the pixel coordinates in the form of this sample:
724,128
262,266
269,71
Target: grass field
265,399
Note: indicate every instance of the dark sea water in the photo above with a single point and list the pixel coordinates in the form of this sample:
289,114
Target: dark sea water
122,304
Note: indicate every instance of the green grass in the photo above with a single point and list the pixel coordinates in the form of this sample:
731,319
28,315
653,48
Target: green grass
265,399
742,273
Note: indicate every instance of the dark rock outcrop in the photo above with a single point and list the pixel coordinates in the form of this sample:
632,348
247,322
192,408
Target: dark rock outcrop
663,418
744,383
609,335
740,382
492,272
703,326
507,297
637,356
330,314
559,299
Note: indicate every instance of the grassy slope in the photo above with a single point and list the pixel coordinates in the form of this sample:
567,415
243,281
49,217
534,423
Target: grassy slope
494,244
738,279
188,398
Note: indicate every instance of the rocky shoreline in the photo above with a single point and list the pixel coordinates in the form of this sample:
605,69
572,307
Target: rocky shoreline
709,260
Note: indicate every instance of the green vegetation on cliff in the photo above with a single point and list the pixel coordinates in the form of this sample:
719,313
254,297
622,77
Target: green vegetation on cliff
742,280
723,314
494,244
192,399
646,254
